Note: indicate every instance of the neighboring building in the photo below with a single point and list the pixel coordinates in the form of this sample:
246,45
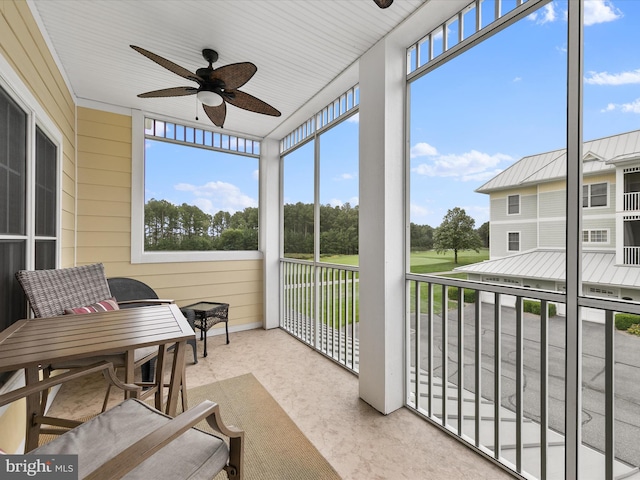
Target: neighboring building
527,221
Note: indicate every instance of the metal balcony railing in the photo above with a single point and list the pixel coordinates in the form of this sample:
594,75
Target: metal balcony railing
320,307
492,374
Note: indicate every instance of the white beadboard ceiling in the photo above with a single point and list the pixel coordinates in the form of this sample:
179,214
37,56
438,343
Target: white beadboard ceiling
299,47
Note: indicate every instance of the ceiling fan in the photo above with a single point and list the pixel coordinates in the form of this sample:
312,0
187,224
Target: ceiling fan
383,3
216,86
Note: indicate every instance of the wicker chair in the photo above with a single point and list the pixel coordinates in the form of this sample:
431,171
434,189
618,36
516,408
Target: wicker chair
131,293
54,292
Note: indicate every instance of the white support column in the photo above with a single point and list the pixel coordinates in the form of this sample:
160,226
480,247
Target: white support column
270,229
382,225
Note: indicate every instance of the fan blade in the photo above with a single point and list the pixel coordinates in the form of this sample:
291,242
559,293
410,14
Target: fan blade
251,103
234,75
169,65
216,114
170,92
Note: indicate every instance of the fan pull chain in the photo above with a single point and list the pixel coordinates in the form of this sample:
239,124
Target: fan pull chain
196,109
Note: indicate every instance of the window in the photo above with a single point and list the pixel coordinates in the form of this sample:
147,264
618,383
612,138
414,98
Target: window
594,195
513,204
201,190
28,204
513,241
595,236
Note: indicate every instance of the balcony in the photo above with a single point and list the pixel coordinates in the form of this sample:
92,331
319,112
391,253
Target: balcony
322,399
506,353
632,202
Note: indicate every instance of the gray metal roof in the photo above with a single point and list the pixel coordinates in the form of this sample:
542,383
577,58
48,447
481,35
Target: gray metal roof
551,166
597,267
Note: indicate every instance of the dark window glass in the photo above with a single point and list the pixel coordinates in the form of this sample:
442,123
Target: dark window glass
45,254
12,300
599,195
514,242
13,154
514,204
46,153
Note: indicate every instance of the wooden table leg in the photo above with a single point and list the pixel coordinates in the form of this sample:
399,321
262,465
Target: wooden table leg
32,376
129,370
162,354
177,381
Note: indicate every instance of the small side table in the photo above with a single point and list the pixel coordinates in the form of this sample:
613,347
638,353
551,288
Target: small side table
208,314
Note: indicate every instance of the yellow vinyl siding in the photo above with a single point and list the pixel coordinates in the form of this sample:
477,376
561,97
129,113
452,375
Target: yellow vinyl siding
25,50
104,227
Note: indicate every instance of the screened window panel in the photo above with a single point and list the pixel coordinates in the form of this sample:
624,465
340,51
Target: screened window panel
46,153
13,151
45,254
12,299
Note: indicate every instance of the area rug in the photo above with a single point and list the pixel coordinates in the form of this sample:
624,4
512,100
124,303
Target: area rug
275,448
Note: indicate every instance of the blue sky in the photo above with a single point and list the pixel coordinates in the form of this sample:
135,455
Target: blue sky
506,99
470,119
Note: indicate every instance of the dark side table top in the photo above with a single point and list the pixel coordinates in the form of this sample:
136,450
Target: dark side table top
205,308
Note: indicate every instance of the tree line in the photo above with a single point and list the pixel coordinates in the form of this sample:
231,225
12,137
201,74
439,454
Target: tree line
187,227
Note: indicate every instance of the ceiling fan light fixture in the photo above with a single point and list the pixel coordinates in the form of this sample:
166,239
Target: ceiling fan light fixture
383,3
211,99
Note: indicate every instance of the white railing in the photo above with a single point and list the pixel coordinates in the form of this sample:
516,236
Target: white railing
320,307
632,201
492,375
631,255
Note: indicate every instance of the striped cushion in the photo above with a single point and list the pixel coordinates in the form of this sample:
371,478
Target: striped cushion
103,306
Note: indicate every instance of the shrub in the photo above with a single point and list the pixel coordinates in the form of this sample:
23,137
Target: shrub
532,306
634,329
469,295
626,320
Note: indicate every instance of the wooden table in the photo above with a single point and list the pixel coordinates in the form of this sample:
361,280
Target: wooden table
36,342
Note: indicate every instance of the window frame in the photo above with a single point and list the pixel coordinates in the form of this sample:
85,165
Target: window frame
509,241
589,196
517,196
590,233
138,254
36,118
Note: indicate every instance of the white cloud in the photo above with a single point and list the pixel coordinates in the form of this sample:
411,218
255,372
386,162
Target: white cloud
600,11
517,79
354,118
482,176
346,176
214,196
633,107
336,202
423,149
418,211
546,14
479,213
256,174
606,78
467,166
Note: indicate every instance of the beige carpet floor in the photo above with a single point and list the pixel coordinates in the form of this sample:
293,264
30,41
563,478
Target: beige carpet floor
275,448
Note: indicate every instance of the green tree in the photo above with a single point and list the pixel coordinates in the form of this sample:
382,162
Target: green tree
456,232
483,231
421,237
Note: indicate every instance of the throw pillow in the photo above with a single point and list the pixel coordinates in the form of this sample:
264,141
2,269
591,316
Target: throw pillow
103,306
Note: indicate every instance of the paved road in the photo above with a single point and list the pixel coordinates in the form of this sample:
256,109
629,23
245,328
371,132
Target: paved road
627,372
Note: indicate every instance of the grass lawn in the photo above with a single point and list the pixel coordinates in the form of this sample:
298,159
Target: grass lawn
421,262
431,262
